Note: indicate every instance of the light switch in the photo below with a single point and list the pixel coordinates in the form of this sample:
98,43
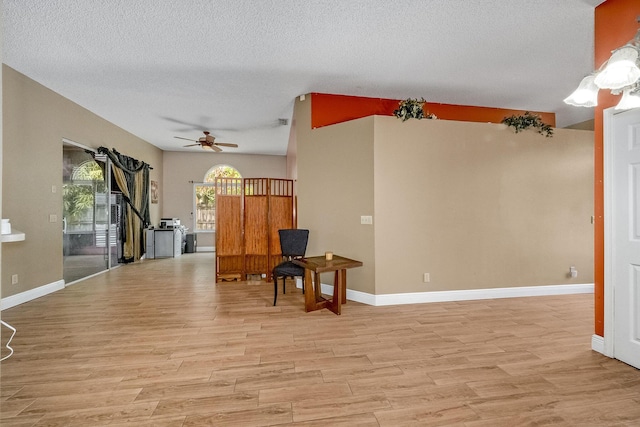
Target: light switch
53,218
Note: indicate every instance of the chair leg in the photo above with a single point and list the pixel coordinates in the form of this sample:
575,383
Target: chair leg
303,284
275,289
284,285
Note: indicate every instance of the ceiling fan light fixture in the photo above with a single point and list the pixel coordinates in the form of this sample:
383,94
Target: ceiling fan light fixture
621,70
586,95
208,142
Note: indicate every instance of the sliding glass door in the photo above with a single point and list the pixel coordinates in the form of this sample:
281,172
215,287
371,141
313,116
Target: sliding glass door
87,234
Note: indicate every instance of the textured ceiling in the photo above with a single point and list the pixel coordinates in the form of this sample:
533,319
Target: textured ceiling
160,68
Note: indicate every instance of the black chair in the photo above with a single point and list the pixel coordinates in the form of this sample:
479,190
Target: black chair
293,244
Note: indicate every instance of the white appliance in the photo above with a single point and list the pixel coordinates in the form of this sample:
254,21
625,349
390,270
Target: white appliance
169,222
164,242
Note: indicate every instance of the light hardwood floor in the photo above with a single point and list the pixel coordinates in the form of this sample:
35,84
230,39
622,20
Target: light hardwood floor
159,343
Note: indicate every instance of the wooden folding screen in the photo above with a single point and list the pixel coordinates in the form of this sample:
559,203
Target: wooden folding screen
229,242
281,216
256,223
249,213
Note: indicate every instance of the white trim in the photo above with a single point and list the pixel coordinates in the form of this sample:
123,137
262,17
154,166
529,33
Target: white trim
609,280
77,144
462,295
31,294
205,249
478,294
597,344
356,296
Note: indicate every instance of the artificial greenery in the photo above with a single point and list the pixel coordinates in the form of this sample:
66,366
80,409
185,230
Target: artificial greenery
412,109
526,121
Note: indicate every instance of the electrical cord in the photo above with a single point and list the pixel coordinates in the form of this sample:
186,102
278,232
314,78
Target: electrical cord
8,342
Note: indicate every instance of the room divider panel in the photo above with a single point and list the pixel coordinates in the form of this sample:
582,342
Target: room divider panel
229,242
281,216
256,221
249,213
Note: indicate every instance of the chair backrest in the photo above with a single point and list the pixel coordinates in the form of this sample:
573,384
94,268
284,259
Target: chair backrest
293,242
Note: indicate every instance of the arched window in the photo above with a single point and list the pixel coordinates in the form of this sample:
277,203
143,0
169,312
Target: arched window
87,171
205,197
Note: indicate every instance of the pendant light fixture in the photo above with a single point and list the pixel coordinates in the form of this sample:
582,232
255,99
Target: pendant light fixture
630,99
621,70
586,95
619,74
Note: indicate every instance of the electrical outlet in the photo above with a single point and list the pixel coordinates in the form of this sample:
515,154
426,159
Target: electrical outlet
14,279
366,219
573,272
426,278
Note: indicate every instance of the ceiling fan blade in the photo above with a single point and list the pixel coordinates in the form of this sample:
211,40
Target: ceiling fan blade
226,144
191,145
214,148
202,122
188,139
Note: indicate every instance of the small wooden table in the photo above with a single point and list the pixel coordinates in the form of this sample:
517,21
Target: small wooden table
313,299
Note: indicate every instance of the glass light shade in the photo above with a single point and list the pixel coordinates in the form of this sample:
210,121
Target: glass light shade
628,100
586,95
621,70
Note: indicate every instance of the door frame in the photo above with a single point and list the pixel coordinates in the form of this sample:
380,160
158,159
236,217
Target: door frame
108,184
609,125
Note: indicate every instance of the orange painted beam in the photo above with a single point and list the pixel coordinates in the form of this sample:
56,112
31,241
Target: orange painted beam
328,109
615,24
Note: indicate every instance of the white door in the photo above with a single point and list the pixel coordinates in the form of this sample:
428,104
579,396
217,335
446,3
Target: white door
626,236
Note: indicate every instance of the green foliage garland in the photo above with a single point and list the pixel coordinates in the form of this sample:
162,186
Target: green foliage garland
412,109
526,121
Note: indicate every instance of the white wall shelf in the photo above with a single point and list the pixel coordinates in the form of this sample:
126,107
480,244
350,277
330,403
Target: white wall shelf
15,236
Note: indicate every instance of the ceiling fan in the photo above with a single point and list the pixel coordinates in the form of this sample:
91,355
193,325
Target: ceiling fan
208,141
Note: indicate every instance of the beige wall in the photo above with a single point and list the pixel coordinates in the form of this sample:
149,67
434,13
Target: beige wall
182,169
478,206
335,187
473,204
36,119
586,125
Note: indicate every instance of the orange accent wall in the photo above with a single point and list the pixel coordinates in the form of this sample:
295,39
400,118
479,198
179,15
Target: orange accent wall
615,24
328,109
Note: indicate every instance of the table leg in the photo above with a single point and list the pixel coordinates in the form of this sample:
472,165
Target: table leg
318,287
338,286
341,276
313,299
309,292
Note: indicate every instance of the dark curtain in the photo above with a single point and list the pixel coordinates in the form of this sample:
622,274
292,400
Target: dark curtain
132,179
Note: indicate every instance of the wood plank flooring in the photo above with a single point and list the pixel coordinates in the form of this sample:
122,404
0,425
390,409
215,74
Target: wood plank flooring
158,343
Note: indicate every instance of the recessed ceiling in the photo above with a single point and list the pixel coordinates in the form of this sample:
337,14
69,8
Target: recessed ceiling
160,69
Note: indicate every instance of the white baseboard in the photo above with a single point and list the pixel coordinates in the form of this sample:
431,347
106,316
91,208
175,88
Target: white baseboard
31,294
462,295
597,344
478,294
205,249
